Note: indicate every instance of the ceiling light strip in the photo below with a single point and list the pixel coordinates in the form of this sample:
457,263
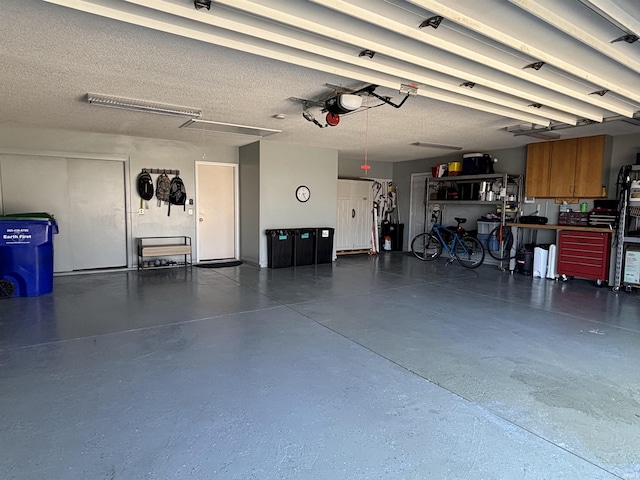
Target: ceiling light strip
141,105
441,146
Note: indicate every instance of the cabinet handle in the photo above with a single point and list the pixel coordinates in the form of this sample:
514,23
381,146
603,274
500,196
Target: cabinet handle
353,213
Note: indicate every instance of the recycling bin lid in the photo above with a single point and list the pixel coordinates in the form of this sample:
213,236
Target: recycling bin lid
28,216
31,216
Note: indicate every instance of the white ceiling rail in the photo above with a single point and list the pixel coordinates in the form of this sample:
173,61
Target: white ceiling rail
513,27
293,39
484,53
584,26
457,67
289,55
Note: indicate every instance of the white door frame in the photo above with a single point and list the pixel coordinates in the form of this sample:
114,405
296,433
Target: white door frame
236,203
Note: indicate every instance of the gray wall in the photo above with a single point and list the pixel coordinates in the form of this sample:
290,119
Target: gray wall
351,169
250,203
283,168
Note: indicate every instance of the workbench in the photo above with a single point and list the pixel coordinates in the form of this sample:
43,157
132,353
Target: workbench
582,251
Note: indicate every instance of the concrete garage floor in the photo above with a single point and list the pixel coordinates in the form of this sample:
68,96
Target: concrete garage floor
371,368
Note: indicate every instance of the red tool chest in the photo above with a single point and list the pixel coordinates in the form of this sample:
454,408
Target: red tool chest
584,254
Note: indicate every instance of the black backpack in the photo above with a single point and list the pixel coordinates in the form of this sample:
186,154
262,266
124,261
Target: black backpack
177,193
145,186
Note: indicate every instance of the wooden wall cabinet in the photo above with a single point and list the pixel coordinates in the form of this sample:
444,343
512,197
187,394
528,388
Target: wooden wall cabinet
566,168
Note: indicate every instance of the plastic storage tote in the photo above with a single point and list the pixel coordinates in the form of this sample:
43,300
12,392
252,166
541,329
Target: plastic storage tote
324,245
26,254
280,248
304,246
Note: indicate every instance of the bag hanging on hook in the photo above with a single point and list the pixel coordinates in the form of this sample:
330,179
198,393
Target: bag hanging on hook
177,193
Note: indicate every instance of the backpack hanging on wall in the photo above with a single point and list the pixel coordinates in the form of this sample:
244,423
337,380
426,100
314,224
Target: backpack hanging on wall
177,193
145,187
163,186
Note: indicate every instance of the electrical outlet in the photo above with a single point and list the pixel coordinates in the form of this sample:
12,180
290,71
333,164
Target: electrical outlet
191,211
141,211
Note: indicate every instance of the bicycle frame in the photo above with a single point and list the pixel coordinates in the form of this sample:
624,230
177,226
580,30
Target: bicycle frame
455,242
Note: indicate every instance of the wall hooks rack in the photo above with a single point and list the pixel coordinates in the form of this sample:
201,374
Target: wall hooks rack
160,171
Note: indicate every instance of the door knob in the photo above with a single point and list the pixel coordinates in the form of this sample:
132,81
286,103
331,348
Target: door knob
201,219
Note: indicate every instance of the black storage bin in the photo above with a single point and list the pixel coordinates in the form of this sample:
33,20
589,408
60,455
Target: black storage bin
280,248
469,191
304,246
524,259
394,231
324,245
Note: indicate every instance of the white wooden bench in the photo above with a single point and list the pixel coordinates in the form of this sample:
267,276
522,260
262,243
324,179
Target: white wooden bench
149,247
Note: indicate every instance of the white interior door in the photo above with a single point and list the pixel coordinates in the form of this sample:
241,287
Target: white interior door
216,208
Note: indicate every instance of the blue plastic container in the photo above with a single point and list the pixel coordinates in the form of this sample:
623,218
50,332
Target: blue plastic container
26,255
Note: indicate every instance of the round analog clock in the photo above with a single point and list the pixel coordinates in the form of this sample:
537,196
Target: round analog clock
303,193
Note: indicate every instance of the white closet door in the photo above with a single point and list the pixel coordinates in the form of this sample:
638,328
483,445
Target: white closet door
343,235
363,220
40,184
353,230
97,209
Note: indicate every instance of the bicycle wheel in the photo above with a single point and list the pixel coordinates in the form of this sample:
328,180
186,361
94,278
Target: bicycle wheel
469,252
426,246
500,242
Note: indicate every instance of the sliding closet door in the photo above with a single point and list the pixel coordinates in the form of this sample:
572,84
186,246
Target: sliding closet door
97,207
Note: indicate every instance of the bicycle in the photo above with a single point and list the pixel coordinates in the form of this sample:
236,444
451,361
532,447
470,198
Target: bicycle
467,250
501,238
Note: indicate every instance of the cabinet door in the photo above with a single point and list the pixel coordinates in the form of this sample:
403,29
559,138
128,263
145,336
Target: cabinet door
363,220
343,228
353,230
589,164
537,174
563,166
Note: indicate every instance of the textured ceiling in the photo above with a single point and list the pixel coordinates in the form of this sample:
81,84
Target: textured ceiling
242,61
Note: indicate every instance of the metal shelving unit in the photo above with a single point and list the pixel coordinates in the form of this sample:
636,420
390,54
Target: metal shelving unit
622,237
510,185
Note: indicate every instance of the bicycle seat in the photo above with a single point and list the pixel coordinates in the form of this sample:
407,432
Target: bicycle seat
460,220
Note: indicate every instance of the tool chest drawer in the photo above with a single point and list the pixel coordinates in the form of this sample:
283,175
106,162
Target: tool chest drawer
584,254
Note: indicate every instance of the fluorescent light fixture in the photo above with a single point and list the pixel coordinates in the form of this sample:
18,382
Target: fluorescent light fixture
141,105
220,127
436,145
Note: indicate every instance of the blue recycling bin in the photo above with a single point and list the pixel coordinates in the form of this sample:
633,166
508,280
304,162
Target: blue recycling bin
26,254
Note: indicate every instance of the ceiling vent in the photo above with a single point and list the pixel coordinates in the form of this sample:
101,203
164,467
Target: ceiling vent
220,127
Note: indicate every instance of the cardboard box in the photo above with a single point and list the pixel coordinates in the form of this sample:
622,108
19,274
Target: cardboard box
632,267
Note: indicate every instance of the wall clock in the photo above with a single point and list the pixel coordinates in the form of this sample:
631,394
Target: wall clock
303,193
